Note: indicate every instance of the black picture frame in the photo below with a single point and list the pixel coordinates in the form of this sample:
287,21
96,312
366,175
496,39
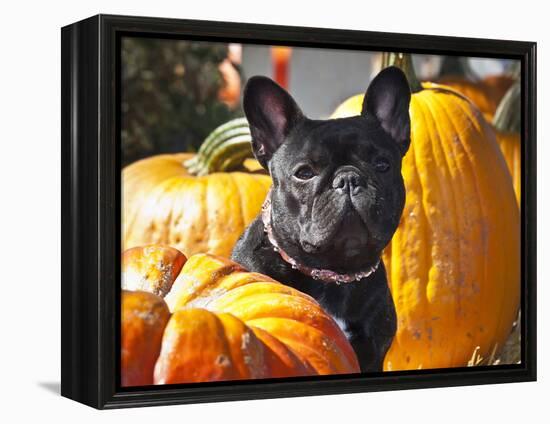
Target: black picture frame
90,178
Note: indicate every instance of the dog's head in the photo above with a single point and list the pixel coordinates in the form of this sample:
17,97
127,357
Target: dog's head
337,193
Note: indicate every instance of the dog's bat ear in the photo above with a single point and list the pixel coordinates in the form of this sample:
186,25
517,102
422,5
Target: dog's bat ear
387,99
271,113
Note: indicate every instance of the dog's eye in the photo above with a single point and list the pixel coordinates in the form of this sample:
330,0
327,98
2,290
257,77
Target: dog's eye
381,165
304,173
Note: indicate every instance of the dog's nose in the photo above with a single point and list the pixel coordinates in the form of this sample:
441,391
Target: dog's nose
349,182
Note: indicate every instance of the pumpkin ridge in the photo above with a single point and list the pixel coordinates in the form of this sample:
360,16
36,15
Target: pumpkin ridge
209,324
141,203
137,358
210,209
287,306
330,346
161,191
236,218
221,335
458,295
274,345
235,294
212,294
176,210
337,339
468,110
189,273
298,348
129,223
248,361
484,209
221,288
425,202
172,186
250,299
435,216
222,202
175,232
292,344
169,217
449,149
200,225
501,328
241,199
422,214
135,202
219,274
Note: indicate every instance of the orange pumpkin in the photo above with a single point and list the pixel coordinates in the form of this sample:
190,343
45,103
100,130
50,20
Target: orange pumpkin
454,263
144,316
226,324
195,203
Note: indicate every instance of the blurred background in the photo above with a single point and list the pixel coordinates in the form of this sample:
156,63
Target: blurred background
174,93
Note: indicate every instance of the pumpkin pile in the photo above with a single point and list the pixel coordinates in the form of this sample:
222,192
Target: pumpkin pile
207,319
454,263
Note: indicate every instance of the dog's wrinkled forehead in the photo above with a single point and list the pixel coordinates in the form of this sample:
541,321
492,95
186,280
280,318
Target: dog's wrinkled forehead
342,131
341,138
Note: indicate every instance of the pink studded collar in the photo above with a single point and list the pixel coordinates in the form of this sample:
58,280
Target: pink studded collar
324,275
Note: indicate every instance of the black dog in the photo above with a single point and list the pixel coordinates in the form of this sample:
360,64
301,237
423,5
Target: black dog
336,200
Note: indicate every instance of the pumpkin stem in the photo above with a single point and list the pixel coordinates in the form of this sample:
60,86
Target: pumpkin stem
224,150
404,62
508,114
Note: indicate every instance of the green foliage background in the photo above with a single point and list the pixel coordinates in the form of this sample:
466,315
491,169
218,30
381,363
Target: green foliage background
169,95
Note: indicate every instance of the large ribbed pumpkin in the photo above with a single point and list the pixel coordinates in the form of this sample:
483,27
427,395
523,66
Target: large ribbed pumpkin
195,207
219,322
454,263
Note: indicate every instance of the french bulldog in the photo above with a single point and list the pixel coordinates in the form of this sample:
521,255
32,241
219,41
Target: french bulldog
336,200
